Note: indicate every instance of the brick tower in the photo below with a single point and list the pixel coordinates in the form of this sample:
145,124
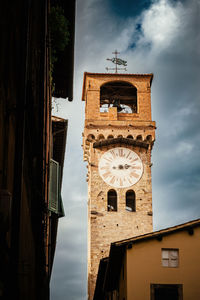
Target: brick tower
117,141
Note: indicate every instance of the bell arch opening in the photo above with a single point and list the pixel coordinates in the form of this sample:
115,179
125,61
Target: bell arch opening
120,94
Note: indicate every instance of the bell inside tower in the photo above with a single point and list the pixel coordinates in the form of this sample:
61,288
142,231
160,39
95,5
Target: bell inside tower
120,94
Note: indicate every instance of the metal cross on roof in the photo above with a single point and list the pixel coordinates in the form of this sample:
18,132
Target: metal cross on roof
117,61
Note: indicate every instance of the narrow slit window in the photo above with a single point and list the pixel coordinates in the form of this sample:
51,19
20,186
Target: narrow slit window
130,201
112,200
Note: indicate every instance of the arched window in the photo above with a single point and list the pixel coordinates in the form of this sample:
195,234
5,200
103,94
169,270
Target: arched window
112,200
101,137
130,200
149,138
129,137
110,136
91,137
139,138
120,94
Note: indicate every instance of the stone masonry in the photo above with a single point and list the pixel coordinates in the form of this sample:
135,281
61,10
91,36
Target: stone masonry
103,131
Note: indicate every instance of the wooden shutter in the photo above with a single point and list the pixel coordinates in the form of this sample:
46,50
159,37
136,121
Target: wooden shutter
165,257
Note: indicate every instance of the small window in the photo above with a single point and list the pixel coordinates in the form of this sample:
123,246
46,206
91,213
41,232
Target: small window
90,137
139,138
112,200
149,138
130,200
101,137
110,136
170,258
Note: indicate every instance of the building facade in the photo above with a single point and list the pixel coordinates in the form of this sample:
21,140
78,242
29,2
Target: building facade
118,138
158,266
28,221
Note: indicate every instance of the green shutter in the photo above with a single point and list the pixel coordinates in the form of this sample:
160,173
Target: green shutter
54,186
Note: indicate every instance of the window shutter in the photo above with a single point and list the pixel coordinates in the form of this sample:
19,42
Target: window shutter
165,254
54,186
165,258
174,258
61,212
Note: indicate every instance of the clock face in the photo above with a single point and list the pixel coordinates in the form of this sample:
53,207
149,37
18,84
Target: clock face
120,167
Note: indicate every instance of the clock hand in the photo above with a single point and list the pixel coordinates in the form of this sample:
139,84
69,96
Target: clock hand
127,166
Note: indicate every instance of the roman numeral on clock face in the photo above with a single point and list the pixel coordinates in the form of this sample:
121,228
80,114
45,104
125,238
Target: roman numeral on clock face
105,168
128,154
121,152
112,180
105,175
107,159
113,153
133,174
136,167
135,159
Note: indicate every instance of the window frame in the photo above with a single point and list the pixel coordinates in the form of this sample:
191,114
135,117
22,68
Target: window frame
170,259
153,288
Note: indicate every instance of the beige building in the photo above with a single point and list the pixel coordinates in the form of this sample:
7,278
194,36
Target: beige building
163,265
118,138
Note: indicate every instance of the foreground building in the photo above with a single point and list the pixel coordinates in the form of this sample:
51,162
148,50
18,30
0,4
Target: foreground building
160,265
32,146
118,138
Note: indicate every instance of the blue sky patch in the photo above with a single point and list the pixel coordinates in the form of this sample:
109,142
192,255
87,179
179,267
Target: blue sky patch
132,8
128,8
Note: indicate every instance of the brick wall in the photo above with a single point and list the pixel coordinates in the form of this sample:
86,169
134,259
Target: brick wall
105,227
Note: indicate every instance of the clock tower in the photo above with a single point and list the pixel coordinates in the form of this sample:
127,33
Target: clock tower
117,141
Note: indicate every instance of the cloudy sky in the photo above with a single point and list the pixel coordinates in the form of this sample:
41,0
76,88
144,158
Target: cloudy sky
154,36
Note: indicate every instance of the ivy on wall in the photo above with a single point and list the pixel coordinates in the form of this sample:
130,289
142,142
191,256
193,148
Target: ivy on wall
59,35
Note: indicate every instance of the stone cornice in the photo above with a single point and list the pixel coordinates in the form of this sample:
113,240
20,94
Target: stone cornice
124,141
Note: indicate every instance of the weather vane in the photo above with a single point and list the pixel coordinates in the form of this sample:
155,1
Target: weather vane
117,61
